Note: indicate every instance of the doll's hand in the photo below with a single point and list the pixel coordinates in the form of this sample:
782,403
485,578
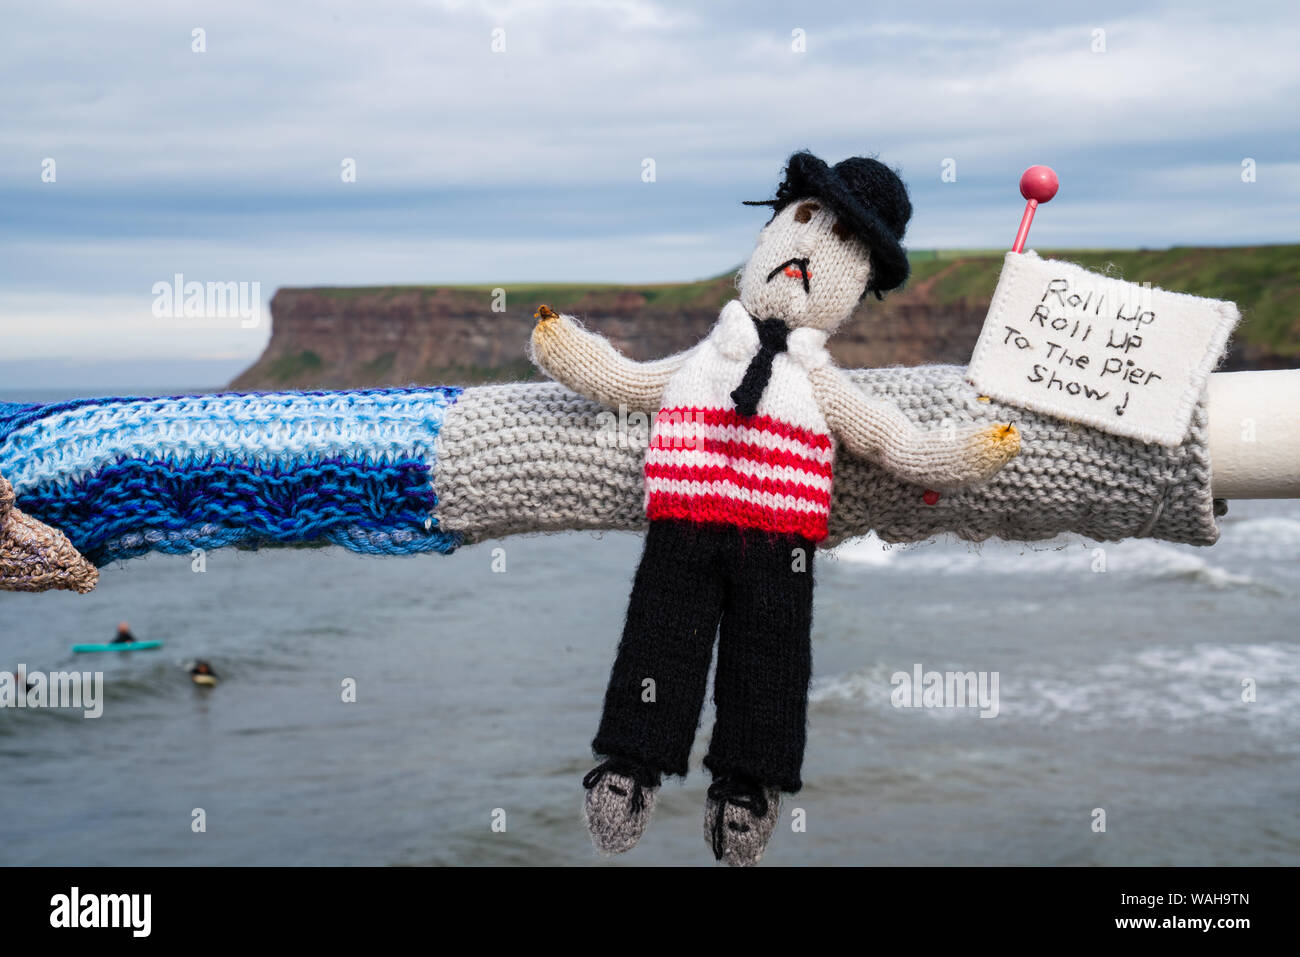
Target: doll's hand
589,365
546,335
947,462
990,448
35,556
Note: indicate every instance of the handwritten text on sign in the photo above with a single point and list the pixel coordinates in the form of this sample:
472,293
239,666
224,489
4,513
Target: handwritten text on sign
1125,358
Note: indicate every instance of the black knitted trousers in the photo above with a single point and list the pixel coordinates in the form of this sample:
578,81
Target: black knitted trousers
759,587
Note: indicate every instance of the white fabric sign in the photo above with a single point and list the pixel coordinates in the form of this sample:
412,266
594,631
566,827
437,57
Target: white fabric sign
1125,358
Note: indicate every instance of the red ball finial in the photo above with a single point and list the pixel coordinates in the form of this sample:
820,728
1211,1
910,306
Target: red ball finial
1039,183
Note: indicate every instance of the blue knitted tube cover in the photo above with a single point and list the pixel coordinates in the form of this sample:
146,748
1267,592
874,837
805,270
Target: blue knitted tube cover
125,476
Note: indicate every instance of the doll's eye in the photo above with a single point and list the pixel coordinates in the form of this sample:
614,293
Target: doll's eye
805,211
842,231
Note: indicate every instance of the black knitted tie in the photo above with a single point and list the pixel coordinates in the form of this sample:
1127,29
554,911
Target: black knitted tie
772,334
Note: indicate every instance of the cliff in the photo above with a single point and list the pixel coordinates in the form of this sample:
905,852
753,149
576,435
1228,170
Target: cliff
398,335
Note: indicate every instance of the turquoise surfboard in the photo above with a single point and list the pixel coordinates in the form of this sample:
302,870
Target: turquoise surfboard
119,646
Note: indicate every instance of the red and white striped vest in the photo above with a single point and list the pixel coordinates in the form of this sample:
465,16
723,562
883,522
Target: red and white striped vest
706,463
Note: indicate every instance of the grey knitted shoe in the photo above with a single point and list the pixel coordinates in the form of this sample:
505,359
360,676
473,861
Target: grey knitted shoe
620,800
739,818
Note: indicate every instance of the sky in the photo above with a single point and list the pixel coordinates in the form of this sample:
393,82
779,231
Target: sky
528,162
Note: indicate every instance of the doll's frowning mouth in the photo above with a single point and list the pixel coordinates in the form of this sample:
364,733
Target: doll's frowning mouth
795,269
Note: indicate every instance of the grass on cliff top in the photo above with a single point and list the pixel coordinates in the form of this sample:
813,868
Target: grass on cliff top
1263,280
666,295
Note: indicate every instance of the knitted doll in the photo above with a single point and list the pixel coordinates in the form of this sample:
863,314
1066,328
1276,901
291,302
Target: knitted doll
737,492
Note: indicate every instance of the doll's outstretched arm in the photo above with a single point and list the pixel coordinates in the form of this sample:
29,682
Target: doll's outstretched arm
877,431
590,366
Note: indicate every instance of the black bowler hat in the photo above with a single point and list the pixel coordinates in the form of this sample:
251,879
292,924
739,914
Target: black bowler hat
867,197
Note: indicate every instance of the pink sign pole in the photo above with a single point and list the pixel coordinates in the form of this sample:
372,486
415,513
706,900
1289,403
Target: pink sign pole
1038,184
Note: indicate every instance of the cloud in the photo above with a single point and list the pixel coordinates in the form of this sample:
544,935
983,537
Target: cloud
527,164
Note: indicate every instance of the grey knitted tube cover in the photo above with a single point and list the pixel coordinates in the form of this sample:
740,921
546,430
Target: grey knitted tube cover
537,457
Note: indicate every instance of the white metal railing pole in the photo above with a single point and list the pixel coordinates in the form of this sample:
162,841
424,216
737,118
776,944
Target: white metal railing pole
1254,434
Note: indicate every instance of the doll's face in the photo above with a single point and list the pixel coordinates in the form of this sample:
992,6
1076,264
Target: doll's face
806,270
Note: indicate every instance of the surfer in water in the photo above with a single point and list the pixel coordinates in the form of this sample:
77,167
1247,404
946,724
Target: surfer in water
124,635
202,674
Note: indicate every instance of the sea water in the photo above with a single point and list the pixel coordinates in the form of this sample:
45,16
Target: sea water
439,709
